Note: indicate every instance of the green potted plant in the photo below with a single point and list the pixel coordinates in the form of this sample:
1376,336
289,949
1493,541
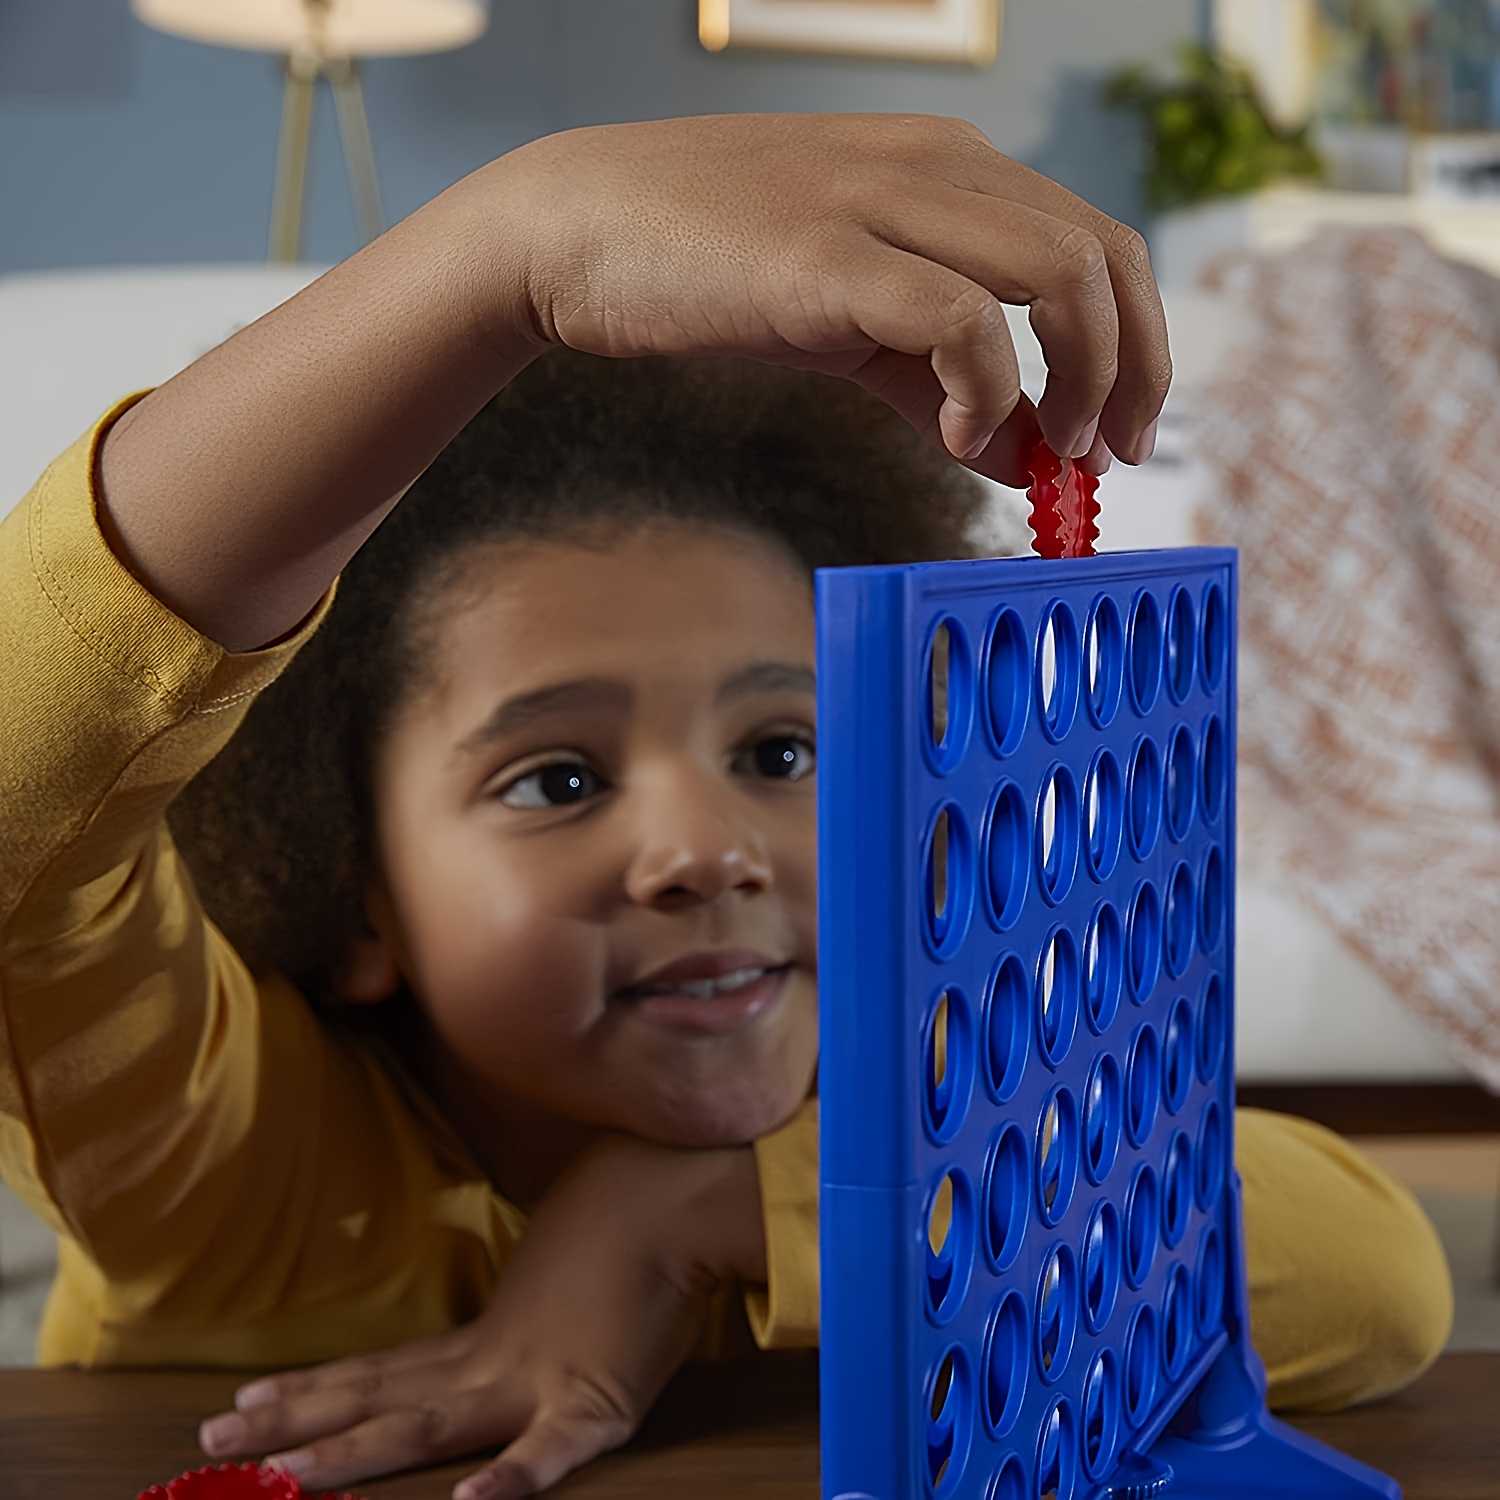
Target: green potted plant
1207,134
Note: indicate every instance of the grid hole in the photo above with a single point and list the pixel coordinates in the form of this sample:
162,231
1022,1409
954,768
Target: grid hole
1009,1482
1143,941
1056,1155
1057,990
1177,1056
1208,1283
1056,1312
1211,896
950,1230
1005,1362
1057,670
1057,833
1181,797
940,1219
1142,1085
1182,644
1208,1173
1215,769
947,1412
1007,680
949,880
1140,1226
1101,1266
1104,660
1143,797
937,686
1103,814
1180,921
1215,637
1007,854
1101,1414
1145,652
1176,1322
1211,1027
939,883
1056,1453
1007,1027
1103,967
1140,1365
949,1067
1101,1118
1007,1194
1176,1189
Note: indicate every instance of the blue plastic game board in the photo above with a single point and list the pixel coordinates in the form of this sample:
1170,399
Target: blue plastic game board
1032,1260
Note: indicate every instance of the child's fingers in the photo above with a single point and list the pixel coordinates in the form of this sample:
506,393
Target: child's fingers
907,383
444,1424
551,1447
955,326
304,1404
1023,256
1145,364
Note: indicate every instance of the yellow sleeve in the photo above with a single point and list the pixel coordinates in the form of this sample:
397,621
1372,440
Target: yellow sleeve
232,1183
1350,1296
784,1313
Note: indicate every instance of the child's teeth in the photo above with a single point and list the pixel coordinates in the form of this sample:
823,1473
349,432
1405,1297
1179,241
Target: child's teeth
708,989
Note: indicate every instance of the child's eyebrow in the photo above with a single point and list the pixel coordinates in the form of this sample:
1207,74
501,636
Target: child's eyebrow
522,711
768,677
525,709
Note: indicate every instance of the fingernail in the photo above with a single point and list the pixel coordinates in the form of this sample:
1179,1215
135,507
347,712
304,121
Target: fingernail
964,457
1146,444
224,1434
298,1463
485,1485
1084,441
257,1393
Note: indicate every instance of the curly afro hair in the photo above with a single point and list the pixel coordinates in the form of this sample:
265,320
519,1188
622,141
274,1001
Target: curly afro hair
278,830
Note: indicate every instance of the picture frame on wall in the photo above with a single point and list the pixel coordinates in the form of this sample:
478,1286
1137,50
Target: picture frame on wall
963,31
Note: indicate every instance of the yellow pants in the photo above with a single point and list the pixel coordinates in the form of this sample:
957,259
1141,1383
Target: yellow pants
1350,1297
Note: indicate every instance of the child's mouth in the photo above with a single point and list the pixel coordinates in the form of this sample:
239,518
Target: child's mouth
712,1005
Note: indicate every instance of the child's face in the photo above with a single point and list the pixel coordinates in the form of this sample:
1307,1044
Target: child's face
597,833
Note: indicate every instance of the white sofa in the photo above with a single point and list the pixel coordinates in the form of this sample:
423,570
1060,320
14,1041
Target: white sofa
72,342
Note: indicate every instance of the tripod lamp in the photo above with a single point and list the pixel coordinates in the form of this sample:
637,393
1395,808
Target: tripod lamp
321,39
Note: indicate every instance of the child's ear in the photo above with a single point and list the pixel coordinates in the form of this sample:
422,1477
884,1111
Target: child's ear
368,972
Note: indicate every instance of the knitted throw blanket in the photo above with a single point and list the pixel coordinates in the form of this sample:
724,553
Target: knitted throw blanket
1357,448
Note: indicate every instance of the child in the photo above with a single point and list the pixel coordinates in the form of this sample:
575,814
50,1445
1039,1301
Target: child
511,866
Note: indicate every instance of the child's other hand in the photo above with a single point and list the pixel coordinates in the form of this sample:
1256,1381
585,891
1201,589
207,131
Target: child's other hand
878,247
601,1303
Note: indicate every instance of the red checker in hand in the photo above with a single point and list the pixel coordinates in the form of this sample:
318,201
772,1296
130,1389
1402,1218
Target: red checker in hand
1064,512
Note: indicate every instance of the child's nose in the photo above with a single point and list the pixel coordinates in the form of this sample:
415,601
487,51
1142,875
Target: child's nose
695,847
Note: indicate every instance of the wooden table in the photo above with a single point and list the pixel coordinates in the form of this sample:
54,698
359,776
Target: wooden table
730,1432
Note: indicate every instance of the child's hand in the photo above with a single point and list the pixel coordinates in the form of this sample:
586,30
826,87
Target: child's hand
601,1303
879,247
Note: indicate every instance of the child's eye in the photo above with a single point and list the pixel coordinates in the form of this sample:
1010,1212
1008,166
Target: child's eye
556,784
787,757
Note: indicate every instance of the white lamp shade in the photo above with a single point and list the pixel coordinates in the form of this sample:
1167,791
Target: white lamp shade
350,28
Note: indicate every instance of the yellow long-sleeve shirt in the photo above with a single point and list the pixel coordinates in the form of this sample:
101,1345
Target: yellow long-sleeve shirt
233,1183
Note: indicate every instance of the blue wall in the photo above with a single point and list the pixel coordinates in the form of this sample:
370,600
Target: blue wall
119,146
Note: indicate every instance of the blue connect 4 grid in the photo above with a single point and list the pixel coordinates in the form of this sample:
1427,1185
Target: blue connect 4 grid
1032,1261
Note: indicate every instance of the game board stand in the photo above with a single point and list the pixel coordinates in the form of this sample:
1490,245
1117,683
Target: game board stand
1033,1282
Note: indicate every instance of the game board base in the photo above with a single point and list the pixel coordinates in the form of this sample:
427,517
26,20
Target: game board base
1224,1445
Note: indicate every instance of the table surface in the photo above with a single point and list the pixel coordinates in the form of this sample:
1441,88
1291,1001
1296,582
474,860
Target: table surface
743,1431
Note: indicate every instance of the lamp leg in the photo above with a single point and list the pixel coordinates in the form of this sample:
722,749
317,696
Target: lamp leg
291,158
359,151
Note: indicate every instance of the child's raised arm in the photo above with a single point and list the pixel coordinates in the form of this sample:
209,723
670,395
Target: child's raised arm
874,247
